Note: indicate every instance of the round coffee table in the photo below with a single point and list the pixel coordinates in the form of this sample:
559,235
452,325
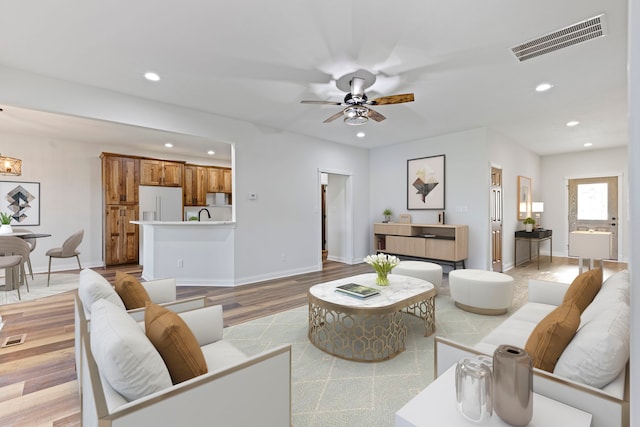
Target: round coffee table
371,329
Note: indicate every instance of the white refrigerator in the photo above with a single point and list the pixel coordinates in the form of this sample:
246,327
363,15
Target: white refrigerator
160,203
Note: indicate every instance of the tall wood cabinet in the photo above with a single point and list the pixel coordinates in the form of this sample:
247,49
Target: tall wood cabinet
120,181
161,172
195,185
448,243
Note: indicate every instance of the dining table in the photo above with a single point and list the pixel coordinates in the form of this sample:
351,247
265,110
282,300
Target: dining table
9,281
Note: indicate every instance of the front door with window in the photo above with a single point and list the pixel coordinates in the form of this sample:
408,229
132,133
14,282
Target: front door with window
593,205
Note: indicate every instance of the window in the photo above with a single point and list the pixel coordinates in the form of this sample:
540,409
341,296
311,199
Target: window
592,202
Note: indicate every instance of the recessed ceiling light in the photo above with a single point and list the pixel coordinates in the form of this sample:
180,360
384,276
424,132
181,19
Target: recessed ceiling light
588,144
543,87
360,134
211,152
573,123
168,145
151,76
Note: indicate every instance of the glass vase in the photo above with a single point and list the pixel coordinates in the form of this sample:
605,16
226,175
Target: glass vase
382,279
474,390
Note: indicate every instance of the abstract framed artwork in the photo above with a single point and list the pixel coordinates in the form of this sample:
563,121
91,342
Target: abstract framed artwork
21,200
524,197
425,183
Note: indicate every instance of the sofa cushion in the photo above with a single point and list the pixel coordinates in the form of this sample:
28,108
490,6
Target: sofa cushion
175,342
550,337
93,287
131,291
124,355
584,288
600,349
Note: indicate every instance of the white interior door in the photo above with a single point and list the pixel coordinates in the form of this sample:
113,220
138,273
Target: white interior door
593,205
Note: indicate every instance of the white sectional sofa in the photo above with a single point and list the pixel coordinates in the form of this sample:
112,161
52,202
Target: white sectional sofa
125,381
592,371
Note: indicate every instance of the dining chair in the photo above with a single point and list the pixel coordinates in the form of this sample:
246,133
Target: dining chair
69,249
32,244
11,247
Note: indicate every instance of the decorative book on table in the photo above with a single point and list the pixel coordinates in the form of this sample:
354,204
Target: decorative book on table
356,290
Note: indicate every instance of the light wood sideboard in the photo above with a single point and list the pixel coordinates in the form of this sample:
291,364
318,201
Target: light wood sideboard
439,242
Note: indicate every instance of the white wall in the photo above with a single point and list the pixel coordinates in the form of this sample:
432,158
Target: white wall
467,175
283,220
634,199
515,161
555,172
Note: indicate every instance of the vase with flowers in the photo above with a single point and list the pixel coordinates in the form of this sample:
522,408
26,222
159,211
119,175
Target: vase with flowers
5,220
382,264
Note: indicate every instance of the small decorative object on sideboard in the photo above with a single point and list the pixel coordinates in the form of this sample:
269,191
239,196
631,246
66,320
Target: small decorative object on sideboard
513,385
528,224
387,215
5,219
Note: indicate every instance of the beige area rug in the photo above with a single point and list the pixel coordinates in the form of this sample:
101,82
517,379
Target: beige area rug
60,282
328,391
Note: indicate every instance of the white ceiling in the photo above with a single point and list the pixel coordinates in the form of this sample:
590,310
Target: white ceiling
256,61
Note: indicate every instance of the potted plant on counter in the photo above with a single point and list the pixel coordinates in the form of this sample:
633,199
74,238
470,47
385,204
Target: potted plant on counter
5,219
528,224
387,215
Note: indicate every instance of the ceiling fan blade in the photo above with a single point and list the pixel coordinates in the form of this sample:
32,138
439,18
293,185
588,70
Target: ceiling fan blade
373,114
393,99
332,118
321,102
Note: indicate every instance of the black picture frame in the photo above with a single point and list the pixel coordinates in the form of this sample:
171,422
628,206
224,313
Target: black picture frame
426,183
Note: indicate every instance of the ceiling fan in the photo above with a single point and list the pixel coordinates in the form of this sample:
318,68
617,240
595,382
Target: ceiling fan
357,111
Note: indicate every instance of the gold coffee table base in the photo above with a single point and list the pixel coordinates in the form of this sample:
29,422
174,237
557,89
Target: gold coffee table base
366,334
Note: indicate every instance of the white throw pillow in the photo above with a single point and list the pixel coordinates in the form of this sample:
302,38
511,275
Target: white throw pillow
600,349
614,290
93,287
124,355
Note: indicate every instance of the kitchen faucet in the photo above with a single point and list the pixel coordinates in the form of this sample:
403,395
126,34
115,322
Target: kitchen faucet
206,210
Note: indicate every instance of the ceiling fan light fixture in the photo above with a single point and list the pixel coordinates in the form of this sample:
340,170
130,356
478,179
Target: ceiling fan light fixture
10,166
356,121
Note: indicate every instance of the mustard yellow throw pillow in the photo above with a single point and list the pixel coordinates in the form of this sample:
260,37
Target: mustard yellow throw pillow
175,342
131,291
552,335
584,288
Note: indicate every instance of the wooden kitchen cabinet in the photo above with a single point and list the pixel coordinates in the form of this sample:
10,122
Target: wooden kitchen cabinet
121,237
161,172
219,180
195,186
120,179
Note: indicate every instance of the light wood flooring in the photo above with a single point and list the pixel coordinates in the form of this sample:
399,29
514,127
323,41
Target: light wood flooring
38,381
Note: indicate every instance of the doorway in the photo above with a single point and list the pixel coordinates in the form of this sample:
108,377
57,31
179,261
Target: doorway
336,219
593,205
496,219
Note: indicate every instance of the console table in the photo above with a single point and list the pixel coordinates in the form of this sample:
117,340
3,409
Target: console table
436,406
438,242
533,236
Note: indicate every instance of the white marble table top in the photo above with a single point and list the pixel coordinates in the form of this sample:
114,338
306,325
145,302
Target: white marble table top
400,288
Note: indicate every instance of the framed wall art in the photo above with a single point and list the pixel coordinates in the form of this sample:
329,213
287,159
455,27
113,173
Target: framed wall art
524,197
21,200
425,183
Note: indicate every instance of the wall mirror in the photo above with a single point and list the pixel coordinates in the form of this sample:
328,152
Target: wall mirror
524,197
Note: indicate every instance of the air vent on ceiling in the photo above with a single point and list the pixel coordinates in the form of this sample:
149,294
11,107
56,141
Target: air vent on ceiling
583,31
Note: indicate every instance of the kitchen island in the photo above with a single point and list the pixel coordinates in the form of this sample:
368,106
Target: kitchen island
194,252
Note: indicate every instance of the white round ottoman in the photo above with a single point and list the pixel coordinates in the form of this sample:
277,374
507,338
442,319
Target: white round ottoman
480,291
421,270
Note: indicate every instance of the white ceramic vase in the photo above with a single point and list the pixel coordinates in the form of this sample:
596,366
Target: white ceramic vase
5,229
528,228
